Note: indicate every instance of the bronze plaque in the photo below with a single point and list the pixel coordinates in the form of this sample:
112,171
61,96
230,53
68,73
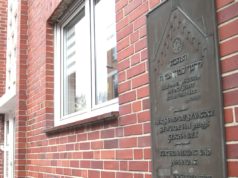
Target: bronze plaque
186,104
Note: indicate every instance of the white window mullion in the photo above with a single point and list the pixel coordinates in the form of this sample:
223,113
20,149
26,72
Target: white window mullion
89,16
57,75
93,57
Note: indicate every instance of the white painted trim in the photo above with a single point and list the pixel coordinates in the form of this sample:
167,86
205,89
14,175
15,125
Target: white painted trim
76,117
10,147
8,102
57,75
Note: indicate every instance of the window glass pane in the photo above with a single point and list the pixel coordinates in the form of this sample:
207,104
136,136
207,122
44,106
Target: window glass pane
106,57
76,64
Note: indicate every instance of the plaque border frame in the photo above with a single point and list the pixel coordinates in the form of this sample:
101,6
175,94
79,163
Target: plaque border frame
219,82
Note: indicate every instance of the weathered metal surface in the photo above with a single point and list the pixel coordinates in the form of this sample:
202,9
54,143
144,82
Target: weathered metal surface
186,105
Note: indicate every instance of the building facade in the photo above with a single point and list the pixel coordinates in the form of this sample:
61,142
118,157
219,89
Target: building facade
74,88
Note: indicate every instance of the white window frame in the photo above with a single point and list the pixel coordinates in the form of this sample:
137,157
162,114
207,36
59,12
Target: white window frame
94,110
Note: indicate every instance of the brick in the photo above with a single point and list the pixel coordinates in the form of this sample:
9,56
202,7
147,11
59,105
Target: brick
108,154
136,70
125,109
124,87
144,116
124,32
124,43
140,11
230,98
229,64
124,165
136,106
84,173
147,153
222,3
123,54
138,166
127,97
144,141
96,154
82,137
230,81
111,165
93,135
67,171
92,174
147,128
124,154
123,65
153,3
232,151
143,92
142,31
128,142
133,130
124,175
122,24
138,23
74,164
119,132
140,45
134,36
128,119
108,174
148,176
232,169
97,164
121,76
236,114
87,155
146,104
85,146
77,155
229,47
231,133
138,175
120,4
228,13
76,172
97,145
119,16
135,59
70,147
109,144
132,6
228,114
138,154
140,80
109,133
228,30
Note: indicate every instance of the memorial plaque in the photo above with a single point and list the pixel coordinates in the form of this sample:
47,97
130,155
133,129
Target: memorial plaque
185,92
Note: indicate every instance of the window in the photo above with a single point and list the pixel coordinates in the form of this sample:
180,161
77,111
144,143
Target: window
86,61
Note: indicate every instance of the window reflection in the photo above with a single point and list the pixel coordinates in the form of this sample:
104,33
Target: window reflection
106,57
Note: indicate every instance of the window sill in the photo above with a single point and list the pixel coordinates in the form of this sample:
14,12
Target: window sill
78,124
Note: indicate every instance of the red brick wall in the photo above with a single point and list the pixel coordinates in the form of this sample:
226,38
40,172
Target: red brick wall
116,149
228,34
21,96
1,143
3,37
